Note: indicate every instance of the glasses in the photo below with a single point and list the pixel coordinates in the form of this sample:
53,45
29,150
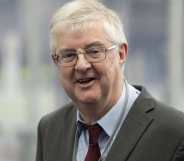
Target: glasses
93,53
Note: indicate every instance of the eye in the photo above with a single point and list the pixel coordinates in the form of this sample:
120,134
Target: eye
68,55
95,50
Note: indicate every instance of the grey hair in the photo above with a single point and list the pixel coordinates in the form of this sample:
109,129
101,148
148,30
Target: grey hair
78,14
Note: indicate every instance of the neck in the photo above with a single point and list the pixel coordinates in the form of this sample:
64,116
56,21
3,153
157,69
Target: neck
92,112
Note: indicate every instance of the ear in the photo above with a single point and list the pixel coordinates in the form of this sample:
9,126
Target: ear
123,52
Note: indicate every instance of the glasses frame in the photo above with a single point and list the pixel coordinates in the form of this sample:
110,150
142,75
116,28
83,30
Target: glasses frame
55,57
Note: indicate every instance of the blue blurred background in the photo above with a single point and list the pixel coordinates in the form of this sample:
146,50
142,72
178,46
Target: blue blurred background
29,86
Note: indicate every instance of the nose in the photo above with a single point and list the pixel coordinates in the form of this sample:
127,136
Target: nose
82,64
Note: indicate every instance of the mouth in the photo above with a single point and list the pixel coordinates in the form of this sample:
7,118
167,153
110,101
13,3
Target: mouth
86,82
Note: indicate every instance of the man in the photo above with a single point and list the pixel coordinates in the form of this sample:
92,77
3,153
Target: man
108,119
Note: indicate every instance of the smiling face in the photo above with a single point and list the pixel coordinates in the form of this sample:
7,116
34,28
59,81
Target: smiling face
92,86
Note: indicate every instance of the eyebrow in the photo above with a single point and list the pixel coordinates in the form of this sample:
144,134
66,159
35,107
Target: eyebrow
66,50
93,44
85,47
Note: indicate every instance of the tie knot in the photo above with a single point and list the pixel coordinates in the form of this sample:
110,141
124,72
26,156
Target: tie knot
94,133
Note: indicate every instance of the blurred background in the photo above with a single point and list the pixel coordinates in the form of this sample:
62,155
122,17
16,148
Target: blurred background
29,86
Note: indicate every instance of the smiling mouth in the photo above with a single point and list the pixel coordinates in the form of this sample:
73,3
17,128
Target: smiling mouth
85,80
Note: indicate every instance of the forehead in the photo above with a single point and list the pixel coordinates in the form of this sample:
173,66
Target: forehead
68,37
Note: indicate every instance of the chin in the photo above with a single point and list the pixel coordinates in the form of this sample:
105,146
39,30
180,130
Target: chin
89,95
87,99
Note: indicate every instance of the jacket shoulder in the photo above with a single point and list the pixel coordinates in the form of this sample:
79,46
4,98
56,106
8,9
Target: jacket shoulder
158,110
169,113
168,119
59,115
164,116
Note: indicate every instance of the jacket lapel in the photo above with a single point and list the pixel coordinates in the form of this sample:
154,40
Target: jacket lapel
69,138
134,127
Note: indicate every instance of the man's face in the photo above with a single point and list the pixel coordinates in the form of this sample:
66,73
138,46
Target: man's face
91,83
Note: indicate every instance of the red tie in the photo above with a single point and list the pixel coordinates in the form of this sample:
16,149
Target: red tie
93,153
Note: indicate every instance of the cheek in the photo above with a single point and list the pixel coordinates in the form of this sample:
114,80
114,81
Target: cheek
105,72
113,69
65,76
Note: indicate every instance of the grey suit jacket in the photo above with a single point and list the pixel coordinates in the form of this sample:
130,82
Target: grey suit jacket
151,132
